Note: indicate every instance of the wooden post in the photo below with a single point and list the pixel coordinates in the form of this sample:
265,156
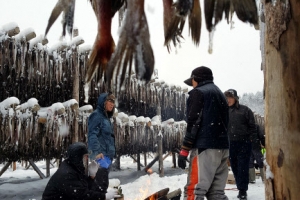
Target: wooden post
47,167
145,159
36,169
138,162
282,98
160,154
14,166
5,168
151,163
117,162
159,136
174,159
75,92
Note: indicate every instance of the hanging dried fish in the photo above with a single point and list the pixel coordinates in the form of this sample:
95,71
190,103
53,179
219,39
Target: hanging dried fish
67,7
104,44
174,19
246,11
133,46
172,24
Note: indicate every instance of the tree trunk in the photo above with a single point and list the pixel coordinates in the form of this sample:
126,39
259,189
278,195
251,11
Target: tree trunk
282,98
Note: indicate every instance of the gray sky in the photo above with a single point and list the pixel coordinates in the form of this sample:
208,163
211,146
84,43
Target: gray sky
235,60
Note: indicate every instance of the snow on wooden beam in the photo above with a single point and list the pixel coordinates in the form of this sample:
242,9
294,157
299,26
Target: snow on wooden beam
86,48
25,35
59,46
76,41
40,39
11,29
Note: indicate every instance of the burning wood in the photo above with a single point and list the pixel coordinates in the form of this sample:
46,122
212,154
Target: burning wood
164,195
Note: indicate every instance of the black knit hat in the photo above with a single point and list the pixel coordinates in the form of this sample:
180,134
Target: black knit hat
200,74
231,93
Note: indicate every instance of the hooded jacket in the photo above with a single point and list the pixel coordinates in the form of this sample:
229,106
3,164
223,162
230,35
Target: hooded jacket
69,182
101,137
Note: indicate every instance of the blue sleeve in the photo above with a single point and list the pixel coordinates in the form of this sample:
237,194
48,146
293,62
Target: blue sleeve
94,124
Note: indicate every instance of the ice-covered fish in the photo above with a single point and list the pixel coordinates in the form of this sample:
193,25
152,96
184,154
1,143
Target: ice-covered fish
67,7
133,48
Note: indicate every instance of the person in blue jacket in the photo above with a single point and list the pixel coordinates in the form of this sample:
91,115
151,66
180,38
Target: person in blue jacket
101,139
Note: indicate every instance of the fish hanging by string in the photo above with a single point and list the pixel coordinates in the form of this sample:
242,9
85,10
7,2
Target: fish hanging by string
68,8
174,19
246,11
133,47
104,44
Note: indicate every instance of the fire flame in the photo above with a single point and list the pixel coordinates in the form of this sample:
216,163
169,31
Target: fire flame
144,191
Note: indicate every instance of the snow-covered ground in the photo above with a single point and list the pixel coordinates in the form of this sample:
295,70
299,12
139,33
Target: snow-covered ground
25,184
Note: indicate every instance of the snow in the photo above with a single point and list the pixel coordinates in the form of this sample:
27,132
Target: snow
25,184
8,26
36,40
76,41
24,33
85,48
57,47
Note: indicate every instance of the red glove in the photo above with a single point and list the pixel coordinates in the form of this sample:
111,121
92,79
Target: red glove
182,157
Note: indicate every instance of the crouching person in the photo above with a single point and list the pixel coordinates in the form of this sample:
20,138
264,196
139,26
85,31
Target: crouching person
70,182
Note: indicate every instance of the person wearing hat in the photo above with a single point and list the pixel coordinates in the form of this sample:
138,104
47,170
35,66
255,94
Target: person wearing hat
70,182
241,132
101,139
206,138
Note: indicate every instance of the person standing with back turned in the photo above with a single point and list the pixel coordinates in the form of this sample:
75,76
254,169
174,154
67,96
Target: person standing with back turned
101,139
241,132
206,138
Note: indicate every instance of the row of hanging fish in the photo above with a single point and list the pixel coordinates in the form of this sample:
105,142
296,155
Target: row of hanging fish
49,73
139,134
133,53
29,131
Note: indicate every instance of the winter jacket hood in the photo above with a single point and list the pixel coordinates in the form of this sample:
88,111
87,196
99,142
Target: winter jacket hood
101,105
75,154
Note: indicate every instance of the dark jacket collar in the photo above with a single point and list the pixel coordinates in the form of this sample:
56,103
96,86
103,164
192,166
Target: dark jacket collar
202,83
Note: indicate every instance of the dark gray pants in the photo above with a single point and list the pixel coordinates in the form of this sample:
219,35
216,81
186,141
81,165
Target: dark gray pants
207,175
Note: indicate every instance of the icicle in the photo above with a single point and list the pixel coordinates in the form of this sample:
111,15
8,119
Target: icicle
211,35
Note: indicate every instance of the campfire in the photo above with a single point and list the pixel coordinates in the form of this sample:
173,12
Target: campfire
165,195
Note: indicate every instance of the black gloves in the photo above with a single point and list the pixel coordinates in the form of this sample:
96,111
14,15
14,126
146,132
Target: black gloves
182,158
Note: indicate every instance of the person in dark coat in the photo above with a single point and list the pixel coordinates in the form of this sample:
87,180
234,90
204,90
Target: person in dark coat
241,131
206,138
69,181
101,139
256,155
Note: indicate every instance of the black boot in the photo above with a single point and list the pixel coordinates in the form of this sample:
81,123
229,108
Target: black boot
242,194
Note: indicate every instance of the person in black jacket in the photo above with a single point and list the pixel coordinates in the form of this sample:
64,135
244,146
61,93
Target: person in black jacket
206,138
256,155
241,130
69,182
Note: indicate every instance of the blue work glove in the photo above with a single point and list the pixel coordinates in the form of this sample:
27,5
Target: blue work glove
182,158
